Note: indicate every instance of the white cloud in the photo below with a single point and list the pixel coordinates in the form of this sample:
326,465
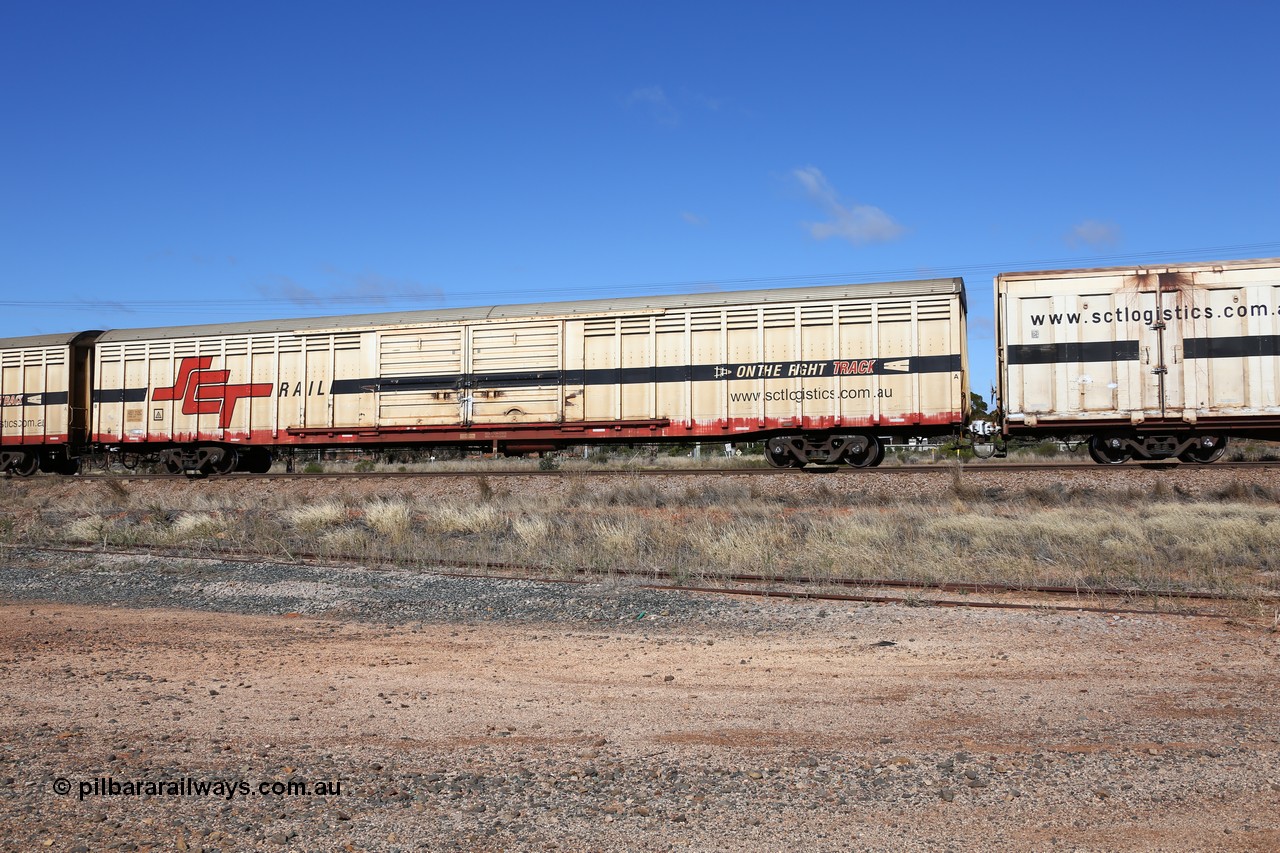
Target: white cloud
693,218
282,287
860,224
671,108
347,288
655,100
708,103
1091,232
378,288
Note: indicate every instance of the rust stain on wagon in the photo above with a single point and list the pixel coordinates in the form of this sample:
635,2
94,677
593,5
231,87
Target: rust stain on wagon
1164,282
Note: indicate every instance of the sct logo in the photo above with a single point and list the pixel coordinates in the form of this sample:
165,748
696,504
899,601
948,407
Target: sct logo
206,392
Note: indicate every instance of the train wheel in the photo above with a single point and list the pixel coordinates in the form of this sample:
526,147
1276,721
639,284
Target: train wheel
1210,449
255,460
69,467
172,461
1108,450
779,454
27,464
879,455
223,462
872,456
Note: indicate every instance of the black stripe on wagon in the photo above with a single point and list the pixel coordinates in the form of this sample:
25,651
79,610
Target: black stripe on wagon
119,395
825,369
935,364
1232,347
39,398
396,383
1073,352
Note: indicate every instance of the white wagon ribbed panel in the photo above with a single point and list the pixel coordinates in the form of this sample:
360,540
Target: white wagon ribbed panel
1184,344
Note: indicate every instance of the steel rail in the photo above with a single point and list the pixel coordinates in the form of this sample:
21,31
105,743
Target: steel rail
982,587
931,602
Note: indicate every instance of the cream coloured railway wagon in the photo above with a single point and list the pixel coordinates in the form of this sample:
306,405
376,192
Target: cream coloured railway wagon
44,401
820,372
1148,362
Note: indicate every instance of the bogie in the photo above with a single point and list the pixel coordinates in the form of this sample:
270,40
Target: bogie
796,451
1116,449
202,460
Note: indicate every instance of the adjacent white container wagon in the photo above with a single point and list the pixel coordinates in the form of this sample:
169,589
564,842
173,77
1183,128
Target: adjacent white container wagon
1146,362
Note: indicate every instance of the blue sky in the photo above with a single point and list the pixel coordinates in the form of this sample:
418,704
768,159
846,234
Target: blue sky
172,162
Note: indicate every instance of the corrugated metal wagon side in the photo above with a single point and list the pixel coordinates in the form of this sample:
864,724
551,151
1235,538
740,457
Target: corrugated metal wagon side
44,402
818,372
216,399
1147,362
821,372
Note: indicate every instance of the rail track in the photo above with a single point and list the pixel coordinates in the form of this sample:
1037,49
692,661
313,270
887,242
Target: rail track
1087,599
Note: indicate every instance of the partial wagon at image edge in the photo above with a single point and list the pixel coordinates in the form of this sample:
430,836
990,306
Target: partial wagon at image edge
1152,362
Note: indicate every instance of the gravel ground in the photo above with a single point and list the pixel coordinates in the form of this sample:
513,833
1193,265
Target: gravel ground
476,714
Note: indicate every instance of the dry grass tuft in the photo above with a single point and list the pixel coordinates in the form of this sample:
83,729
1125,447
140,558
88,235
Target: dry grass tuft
90,528
391,519
453,518
314,518
1237,490
620,537
191,527
532,532
344,543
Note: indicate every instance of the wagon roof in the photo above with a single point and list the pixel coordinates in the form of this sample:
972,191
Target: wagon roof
620,305
57,339
1135,269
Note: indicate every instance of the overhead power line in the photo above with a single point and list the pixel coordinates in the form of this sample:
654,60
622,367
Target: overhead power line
419,299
